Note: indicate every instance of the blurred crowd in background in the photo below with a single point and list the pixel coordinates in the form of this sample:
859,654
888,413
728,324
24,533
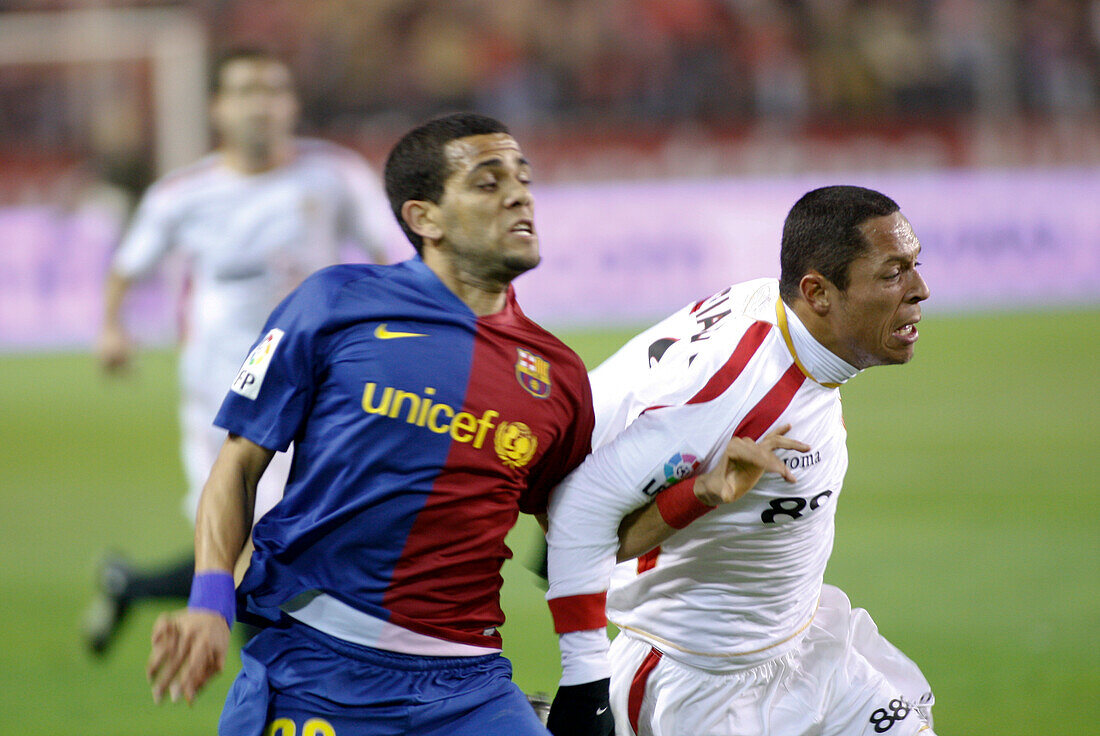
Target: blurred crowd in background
623,69
644,61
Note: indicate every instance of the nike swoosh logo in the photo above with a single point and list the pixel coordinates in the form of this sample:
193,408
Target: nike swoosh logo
601,711
384,334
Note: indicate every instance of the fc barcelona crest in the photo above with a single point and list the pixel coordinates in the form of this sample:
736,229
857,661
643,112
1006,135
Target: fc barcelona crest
533,373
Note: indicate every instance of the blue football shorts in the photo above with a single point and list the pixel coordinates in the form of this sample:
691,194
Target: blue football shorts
297,681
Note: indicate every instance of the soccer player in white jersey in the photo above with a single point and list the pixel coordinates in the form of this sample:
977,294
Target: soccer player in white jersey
726,627
252,219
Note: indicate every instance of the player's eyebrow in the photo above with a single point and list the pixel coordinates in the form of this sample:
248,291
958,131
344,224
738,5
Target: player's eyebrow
904,258
497,163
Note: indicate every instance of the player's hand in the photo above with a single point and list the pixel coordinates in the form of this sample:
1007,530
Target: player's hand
582,710
113,349
746,461
189,648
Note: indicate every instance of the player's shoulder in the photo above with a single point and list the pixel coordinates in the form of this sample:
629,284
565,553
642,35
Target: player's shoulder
365,282
336,278
756,297
732,310
190,175
741,334
738,340
323,297
174,187
539,335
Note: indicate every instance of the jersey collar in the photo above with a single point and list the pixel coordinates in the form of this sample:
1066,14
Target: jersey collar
833,369
434,285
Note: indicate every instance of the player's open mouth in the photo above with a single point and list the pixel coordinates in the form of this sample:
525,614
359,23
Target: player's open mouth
523,227
907,333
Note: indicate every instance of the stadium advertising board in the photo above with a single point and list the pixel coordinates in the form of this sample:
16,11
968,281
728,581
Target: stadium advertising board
633,252
625,253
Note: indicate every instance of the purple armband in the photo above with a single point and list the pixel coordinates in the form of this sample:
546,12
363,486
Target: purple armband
213,590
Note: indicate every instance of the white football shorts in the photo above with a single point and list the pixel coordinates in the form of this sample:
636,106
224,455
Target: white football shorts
844,679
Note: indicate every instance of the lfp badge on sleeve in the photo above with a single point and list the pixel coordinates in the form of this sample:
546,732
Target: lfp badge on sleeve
251,376
533,373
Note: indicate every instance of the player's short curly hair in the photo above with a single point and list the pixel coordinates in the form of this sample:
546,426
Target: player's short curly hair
822,233
417,167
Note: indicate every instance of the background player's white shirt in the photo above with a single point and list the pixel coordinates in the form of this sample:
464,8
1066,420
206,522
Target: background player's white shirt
248,240
738,585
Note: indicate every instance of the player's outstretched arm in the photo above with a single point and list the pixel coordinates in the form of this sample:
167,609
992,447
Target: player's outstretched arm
113,346
745,463
189,645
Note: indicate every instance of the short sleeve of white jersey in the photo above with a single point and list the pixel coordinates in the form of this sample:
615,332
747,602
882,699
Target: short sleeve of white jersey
366,220
149,236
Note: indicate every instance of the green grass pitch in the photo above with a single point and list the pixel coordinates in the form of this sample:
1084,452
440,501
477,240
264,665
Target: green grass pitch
969,528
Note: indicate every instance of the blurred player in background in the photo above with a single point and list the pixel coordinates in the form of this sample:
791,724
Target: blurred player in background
252,219
726,628
426,413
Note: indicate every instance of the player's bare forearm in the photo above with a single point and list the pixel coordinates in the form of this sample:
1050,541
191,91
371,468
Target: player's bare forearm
189,645
224,515
114,294
641,531
648,527
113,348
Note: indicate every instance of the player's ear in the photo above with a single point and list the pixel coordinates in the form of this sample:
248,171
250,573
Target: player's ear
422,218
815,291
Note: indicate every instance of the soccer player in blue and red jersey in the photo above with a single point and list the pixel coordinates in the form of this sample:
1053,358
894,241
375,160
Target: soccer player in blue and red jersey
426,412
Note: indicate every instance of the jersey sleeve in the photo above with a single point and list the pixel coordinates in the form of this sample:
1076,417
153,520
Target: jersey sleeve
149,237
274,389
365,219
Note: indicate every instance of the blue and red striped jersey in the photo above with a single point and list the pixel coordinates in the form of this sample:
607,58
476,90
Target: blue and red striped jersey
420,431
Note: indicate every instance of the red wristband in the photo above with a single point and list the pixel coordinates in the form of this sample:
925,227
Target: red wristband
679,506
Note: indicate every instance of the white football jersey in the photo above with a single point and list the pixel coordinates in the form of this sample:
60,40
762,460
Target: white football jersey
248,240
737,586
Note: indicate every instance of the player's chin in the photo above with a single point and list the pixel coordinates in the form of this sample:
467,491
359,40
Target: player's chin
896,355
519,260
899,346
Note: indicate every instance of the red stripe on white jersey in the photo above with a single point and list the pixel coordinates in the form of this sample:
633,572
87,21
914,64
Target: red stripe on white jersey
637,686
579,612
728,373
724,377
768,409
648,561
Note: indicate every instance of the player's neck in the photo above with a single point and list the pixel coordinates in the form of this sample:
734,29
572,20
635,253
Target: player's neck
810,337
246,160
483,296
821,331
